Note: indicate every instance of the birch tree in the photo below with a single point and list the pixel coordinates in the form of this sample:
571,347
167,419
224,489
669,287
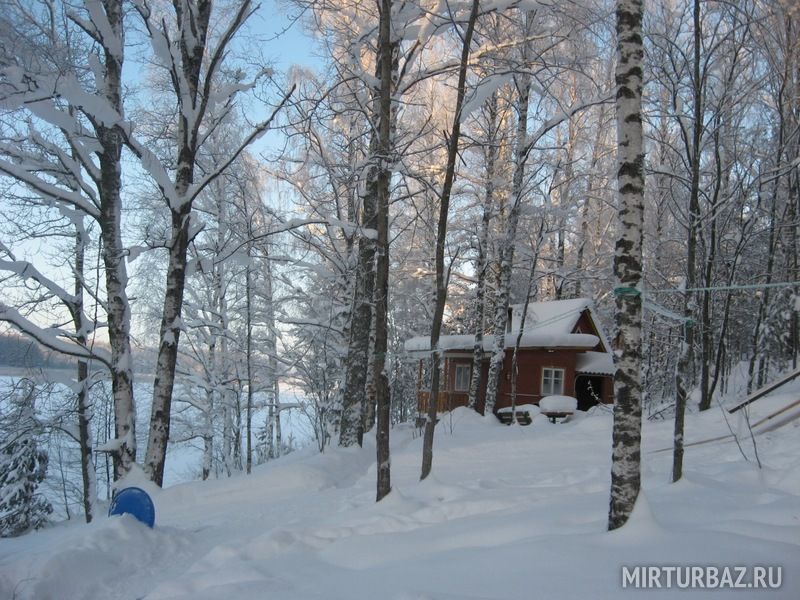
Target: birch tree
482,263
192,61
626,442
522,85
87,112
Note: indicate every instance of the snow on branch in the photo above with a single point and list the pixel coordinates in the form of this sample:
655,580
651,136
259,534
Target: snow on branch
71,163
52,338
99,28
154,168
21,173
293,224
96,108
65,169
244,13
481,92
25,270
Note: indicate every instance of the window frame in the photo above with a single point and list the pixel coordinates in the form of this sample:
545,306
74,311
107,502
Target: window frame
552,381
456,369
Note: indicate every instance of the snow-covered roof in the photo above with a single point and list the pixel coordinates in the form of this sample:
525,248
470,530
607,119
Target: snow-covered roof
595,363
547,325
550,317
530,339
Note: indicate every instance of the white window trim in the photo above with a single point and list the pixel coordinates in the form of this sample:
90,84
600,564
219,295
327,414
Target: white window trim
552,391
455,378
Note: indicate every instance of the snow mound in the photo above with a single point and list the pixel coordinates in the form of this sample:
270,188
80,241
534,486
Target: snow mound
558,404
96,561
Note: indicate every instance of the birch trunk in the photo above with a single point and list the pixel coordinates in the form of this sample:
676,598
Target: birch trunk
169,335
191,34
249,365
483,247
523,318
565,201
116,276
216,358
274,413
278,434
88,474
755,379
208,436
227,433
626,438
355,392
508,243
590,191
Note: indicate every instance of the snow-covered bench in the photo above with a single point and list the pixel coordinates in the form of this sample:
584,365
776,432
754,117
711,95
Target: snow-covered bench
523,412
558,407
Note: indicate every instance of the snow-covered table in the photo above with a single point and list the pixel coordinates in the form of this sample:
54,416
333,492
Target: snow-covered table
558,407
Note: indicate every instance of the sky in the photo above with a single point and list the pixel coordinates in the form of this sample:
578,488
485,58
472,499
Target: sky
289,44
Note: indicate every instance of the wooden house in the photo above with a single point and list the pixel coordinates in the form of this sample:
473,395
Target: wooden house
562,351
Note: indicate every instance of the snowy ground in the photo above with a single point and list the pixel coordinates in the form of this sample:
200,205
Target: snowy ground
510,512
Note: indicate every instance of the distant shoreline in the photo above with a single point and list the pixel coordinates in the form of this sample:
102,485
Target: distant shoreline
55,374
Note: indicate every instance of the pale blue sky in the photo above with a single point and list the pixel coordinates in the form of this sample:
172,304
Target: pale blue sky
288,42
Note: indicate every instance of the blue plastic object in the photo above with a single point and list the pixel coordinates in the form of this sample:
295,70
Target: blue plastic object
134,501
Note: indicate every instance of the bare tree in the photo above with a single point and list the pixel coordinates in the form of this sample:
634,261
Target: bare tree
193,66
441,236
88,114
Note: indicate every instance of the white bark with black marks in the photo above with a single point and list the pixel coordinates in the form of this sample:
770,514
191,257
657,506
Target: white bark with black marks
509,239
483,250
626,442
357,362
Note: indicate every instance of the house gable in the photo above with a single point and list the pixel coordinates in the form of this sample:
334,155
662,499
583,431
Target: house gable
586,324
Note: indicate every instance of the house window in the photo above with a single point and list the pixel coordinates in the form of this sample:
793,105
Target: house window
552,382
463,373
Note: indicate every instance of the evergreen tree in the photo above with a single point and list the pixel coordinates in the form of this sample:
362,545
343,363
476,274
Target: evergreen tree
22,468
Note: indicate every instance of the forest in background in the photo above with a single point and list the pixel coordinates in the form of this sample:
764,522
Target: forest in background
290,230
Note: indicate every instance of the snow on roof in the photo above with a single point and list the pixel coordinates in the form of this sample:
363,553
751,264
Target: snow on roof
556,316
530,339
551,317
595,363
547,325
